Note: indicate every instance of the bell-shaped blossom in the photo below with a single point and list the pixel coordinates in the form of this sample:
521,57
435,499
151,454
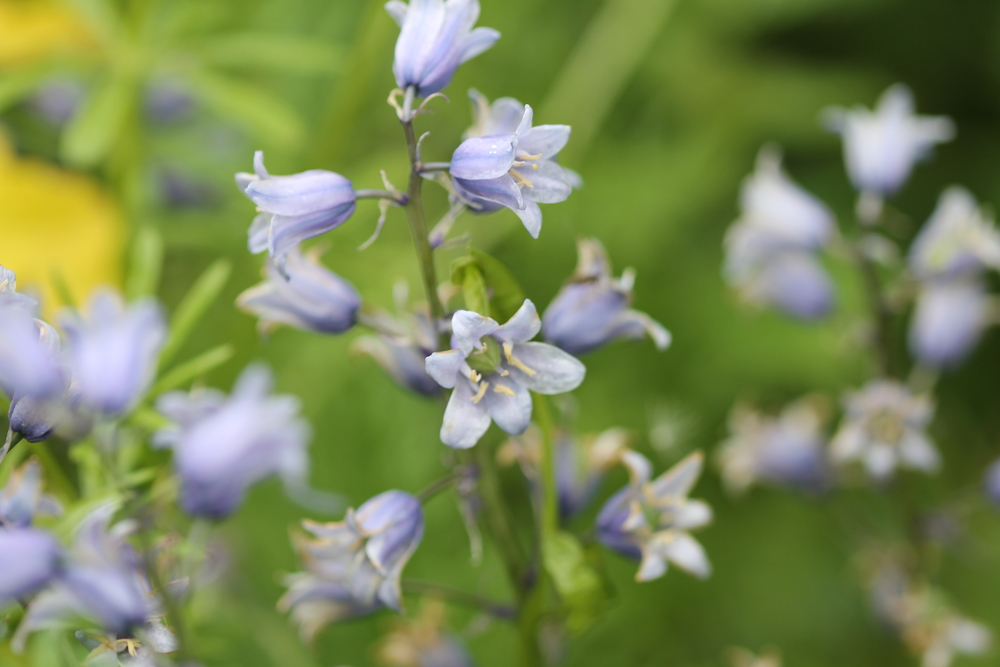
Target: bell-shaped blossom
949,320
884,426
101,582
649,520
592,308
22,499
423,642
354,566
493,370
113,351
436,36
9,294
784,450
293,208
306,295
401,347
882,146
223,445
770,249
957,241
515,167
29,560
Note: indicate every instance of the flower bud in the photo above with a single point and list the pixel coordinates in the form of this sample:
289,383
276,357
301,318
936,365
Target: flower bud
948,321
29,559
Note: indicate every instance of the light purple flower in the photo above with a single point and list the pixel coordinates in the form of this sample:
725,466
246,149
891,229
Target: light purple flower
22,498
592,310
493,370
949,320
29,560
957,241
354,566
884,426
113,351
881,146
293,208
401,347
784,450
307,296
515,167
10,296
436,36
223,445
770,249
649,520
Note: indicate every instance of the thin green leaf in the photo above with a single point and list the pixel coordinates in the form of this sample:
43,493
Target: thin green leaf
193,306
193,369
465,272
146,263
253,108
506,295
577,581
267,52
92,132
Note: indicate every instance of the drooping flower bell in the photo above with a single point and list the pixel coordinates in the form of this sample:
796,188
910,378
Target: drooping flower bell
493,369
592,308
29,560
882,146
401,346
293,208
307,296
785,450
771,249
113,351
514,166
354,566
436,36
648,520
22,499
9,294
223,445
884,427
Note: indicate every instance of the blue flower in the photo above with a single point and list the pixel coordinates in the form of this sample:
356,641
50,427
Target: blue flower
492,370
514,166
786,450
436,36
307,296
949,320
881,146
22,498
648,520
401,347
293,208
9,294
770,249
222,445
113,352
29,560
592,310
354,566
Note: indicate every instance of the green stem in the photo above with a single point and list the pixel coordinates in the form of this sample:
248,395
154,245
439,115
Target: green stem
498,521
880,312
464,598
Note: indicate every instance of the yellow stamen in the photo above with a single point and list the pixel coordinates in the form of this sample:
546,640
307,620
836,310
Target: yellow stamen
482,392
4,283
474,377
500,389
521,180
514,361
525,156
504,373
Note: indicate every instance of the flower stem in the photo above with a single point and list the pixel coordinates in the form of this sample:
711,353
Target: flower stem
464,598
438,486
397,198
880,312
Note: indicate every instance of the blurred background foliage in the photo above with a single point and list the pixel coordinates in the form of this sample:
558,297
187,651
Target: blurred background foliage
123,114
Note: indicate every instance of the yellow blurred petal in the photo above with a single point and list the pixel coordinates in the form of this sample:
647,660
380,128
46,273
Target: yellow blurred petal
53,220
33,29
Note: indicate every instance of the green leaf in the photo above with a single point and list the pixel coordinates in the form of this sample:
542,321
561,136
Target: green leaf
578,582
465,273
194,305
257,111
267,52
193,369
503,294
90,135
146,263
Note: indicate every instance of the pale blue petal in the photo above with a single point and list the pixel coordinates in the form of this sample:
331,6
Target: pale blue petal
301,194
522,326
445,367
531,218
503,191
484,158
476,42
549,183
511,413
465,422
546,140
555,371
468,328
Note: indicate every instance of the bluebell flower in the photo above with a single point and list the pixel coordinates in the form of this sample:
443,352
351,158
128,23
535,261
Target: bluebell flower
949,320
29,560
423,642
493,369
771,248
9,294
885,426
307,296
401,347
784,450
648,520
223,445
592,308
101,582
22,499
515,167
881,146
293,208
354,566
113,351
436,36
